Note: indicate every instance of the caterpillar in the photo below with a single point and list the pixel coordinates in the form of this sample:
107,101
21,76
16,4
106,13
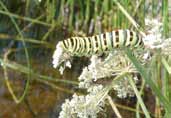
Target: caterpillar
87,46
83,46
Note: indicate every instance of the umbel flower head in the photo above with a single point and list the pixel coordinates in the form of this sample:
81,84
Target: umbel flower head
166,47
154,38
84,106
61,57
111,67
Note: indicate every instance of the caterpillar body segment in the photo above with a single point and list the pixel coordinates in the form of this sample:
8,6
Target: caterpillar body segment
97,44
85,46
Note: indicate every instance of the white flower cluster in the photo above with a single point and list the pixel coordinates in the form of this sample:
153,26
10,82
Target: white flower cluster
153,39
122,91
84,106
61,57
57,55
166,46
115,64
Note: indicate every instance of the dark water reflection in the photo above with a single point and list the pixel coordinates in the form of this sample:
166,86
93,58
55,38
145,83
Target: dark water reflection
42,100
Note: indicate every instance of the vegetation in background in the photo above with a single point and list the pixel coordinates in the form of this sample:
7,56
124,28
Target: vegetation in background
30,29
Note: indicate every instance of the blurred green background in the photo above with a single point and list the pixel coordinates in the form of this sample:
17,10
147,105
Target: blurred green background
29,32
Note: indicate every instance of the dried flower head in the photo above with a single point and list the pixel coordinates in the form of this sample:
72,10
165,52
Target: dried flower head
166,47
61,57
84,106
153,39
112,66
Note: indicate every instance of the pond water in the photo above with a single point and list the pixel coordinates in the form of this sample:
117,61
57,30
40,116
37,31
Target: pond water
42,100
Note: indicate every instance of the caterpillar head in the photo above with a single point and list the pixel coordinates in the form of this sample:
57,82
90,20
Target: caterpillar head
61,58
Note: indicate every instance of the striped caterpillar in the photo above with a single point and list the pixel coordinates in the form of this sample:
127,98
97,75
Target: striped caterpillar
98,44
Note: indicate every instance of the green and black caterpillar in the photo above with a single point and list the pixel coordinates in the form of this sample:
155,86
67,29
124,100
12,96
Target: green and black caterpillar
98,44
